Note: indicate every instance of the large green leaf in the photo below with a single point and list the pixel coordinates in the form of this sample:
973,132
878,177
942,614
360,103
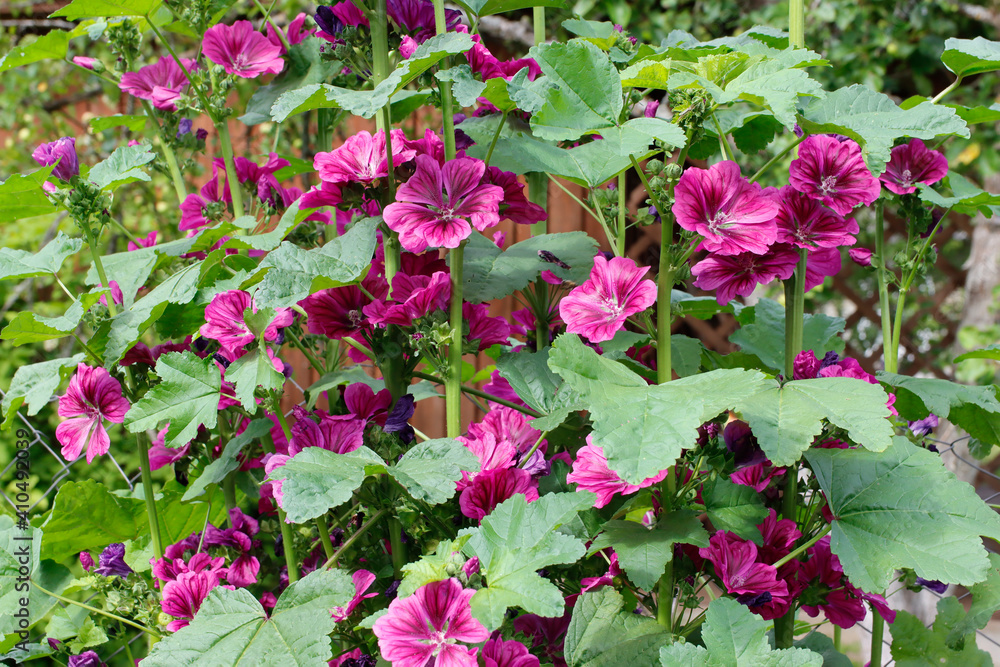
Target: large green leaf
537,385
217,470
602,633
22,548
512,543
734,507
490,7
315,479
734,637
985,602
34,384
294,273
19,264
254,369
915,645
178,517
305,66
79,9
28,327
232,628
874,121
974,409
966,198
587,90
50,46
902,508
763,333
21,196
965,57
490,273
121,167
429,470
187,397
644,552
785,419
86,515
643,428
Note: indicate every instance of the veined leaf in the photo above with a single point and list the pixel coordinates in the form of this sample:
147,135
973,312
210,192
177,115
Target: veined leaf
34,384
50,46
602,633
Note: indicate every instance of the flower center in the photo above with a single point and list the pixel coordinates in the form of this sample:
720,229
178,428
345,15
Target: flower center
721,219
906,177
355,317
611,306
828,185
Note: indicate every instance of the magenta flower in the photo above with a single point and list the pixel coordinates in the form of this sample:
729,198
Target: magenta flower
183,596
427,626
834,173
913,163
162,83
86,561
805,223
91,397
861,256
779,535
509,426
337,312
293,33
87,62
365,404
146,242
757,476
591,473
599,307
271,465
493,452
738,275
841,601
487,330
241,50
414,296
362,158
732,214
491,487
515,206
436,205
507,653
340,434
736,564
61,151
821,263
363,580
224,322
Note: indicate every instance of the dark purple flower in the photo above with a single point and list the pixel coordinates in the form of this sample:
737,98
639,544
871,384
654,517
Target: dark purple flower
184,127
62,151
111,562
741,442
398,420
938,587
86,560
913,163
85,659
922,427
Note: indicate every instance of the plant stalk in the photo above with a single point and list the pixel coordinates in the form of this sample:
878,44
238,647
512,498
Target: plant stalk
226,145
147,491
137,626
889,359
324,535
796,24
453,382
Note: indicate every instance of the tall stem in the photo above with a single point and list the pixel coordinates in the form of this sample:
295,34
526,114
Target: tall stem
147,491
396,544
168,154
324,535
383,121
889,358
226,145
287,538
878,627
620,236
453,382
796,24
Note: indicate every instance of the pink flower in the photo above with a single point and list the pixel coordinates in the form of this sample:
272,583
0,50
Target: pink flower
510,426
842,602
273,462
160,455
779,535
591,473
487,330
428,624
732,214
363,579
364,403
293,33
833,172
241,50
738,275
804,223
116,293
821,263
861,256
183,596
491,487
423,216
757,476
588,584
515,206
510,653
224,322
362,158
736,564
91,397
61,151
87,62
147,242
337,312
913,163
340,434
414,297
599,307
162,83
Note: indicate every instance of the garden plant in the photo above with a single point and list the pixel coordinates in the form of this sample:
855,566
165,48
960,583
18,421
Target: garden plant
626,496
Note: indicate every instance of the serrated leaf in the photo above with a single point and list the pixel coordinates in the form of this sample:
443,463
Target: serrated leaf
902,508
79,9
315,479
27,327
514,541
217,470
644,552
21,196
966,198
985,602
874,121
50,46
973,409
464,85
121,167
35,384
915,644
19,264
734,507
187,397
734,637
232,628
86,515
602,633
764,336
646,74
15,544
966,57
429,470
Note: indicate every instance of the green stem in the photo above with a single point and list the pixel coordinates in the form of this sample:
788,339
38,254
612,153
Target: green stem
147,491
665,586
288,546
383,120
229,494
534,448
137,626
538,22
496,137
398,550
98,264
878,627
777,158
332,560
226,144
836,639
889,359
86,348
453,382
951,87
607,231
482,394
168,153
727,152
125,644
796,24
801,549
324,535
582,204
274,26
306,352
538,193
620,236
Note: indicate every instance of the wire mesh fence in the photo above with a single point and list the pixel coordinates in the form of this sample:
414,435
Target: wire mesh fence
983,479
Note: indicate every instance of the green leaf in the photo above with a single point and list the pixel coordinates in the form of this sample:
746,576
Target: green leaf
79,9
734,637
317,479
187,397
786,419
602,633
447,557
643,428
19,264
464,85
600,33
966,198
305,66
734,507
254,369
27,327
819,643
121,167
429,470
985,602
873,120
50,46
973,409
217,470
646,74
644,552
22,548
534,382
512,543
966,57
133,123
86,515
988,352
35,384
490,7
587,93
902,508
179,517
21,196
764,334
915,645
297,273
232,629
491,273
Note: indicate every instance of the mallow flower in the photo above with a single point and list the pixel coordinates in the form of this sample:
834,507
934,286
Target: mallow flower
833,172
241,50
161,83
913,163
224,322
362,158
738,275
91,397
805,223
591,473
615,290
62,151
